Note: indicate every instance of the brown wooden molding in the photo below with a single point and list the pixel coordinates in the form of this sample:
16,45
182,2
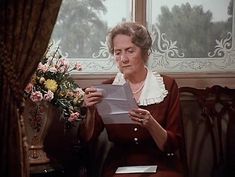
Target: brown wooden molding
140,11
197,80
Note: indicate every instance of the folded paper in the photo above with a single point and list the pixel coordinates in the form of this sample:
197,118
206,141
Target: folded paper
117,101
137,169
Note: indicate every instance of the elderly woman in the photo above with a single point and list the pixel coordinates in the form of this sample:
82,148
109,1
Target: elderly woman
156,135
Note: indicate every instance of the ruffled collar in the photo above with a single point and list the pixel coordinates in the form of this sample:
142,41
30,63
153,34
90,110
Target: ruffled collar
153,91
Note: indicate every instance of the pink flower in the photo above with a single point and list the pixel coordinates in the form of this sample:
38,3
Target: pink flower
36,96
49,95
42,67
74,116
29,88
62,69
63,62
78,66
63,65
53,69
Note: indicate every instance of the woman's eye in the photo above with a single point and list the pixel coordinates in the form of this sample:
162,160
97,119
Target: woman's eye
116,53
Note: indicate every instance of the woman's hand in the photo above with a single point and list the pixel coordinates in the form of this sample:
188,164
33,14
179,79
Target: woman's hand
92,97
141,116
145,119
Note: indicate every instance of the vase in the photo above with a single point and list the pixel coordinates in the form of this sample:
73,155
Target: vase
37,117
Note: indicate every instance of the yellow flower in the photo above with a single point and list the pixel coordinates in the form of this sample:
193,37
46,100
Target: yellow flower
51,84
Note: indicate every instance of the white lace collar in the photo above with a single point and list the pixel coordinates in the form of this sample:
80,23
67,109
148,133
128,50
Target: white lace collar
153,91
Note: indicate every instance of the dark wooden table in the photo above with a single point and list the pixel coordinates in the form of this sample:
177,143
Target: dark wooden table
51,169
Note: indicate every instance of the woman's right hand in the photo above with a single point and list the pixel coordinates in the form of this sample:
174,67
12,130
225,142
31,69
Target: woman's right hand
92,97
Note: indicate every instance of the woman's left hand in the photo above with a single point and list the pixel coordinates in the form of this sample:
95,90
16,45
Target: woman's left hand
141,116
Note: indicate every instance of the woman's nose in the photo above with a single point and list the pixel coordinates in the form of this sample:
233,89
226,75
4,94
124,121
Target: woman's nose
124,58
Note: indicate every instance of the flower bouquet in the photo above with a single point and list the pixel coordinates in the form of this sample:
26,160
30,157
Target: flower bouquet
52,82
51,87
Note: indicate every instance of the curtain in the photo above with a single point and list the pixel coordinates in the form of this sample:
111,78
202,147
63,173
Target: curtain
25,29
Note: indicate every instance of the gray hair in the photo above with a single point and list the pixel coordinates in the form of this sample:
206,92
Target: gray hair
138,33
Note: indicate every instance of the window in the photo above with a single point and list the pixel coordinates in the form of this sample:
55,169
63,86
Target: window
82,26
189,35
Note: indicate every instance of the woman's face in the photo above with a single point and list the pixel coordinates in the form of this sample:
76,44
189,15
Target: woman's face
128,56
